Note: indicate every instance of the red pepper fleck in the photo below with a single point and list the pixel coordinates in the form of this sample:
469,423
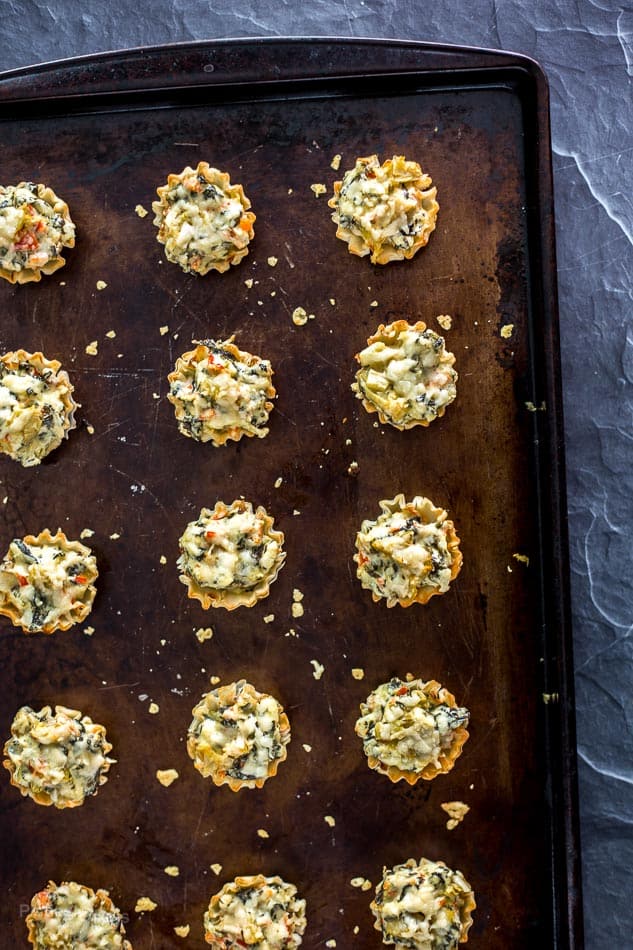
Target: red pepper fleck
81,579
28,242
22,580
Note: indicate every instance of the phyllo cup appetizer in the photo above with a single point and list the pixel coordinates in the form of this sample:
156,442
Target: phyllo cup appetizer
47,582
259,912
423,905
412,730
388,210
238,736
71,916
231,555
37,409
203,220
409,553
35,227
57,758
221,393
406,375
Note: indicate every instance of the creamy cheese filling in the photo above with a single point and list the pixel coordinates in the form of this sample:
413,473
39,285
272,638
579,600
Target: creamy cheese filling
70,915
383,204
201,222
32,232
421,906
404,551
410,377
402,726
256,913
34,414
216,391
237,732
45,582
61,754
231,551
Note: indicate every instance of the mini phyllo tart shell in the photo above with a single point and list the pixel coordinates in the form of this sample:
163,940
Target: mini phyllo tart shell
423,906
238,736
35,227
409,553
47,582
203,220
231,555
71,915
387,210
57,758
260,912
37,409
412,730
220,392
406,375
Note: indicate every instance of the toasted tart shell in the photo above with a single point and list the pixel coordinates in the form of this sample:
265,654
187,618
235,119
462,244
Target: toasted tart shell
257,881
231,599
43,798
447,757
80,610
466,911
388,334
424,594
381,252
223,181
217,437
220,777
12,361
34,274
40,902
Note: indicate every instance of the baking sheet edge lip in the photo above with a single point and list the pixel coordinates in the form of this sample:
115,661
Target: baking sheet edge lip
102,57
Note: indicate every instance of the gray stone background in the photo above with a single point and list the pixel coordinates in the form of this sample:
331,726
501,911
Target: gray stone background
586,49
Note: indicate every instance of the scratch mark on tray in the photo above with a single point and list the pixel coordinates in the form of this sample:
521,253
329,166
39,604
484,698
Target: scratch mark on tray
104,689
148,491
178,300
110,168
324,359
198,823
287,418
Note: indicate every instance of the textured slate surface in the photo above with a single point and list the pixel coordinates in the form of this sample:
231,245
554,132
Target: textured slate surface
586,48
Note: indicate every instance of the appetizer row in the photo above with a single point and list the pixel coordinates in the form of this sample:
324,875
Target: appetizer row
204,222
410,730
422,904
222,393
229,557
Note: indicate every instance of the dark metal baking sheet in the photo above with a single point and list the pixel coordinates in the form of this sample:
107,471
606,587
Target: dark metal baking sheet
104,132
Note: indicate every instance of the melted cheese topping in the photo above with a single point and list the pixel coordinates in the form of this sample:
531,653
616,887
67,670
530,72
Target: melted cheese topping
406,550
385,207
256,912
237,733
32,230
407,374
70,915
60,757
403,726
47,581
229,549
202,220
36,406
221,392
423,906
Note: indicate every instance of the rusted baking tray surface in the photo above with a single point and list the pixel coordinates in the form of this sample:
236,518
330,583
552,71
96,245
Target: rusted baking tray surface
104,132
